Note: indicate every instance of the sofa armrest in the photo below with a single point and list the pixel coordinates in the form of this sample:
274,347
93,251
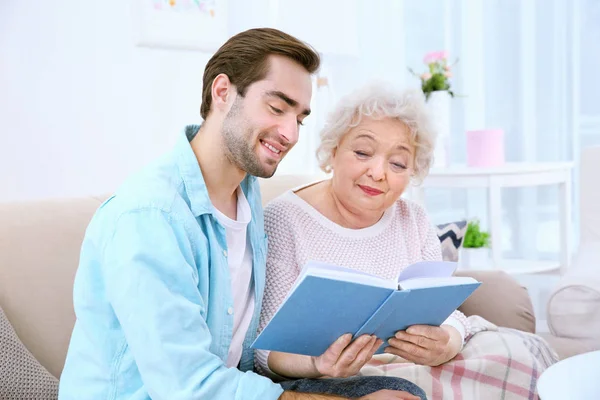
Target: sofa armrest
569,347
501,300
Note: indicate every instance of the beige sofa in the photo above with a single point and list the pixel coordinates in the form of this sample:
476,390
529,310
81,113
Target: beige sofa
39,251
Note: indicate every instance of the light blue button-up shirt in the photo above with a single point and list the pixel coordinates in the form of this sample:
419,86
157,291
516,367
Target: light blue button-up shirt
152,293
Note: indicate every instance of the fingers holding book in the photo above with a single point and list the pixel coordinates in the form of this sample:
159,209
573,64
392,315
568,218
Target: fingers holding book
426,345
346,357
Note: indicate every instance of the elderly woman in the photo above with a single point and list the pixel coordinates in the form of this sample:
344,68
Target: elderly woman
376,142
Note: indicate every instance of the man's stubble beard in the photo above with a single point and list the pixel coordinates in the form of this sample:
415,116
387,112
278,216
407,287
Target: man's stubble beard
237,143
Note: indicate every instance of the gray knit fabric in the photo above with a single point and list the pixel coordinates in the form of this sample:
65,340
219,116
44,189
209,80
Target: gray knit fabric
21,375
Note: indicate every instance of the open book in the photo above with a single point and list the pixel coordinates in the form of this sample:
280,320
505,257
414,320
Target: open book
328,301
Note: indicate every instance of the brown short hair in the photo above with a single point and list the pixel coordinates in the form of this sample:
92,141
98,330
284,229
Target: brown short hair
243,58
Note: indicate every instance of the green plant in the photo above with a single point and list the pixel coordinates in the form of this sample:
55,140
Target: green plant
474,237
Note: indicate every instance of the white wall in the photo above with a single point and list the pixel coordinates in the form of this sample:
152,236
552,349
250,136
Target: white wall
81,106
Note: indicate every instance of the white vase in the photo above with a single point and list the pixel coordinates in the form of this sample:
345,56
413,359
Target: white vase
439,109
470,258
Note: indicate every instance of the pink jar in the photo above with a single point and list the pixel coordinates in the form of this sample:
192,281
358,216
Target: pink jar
485,148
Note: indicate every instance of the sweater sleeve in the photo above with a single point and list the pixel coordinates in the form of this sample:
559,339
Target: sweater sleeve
431,250
282,270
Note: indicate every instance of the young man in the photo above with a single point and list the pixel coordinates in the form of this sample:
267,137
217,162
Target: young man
172,267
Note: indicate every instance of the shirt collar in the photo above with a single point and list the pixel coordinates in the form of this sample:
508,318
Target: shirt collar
191,174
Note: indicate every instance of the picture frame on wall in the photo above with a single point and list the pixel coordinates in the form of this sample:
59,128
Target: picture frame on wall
199,25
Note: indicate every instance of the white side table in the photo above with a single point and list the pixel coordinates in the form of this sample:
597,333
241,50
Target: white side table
572,378
510,175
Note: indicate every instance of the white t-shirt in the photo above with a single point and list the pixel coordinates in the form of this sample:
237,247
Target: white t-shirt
239,256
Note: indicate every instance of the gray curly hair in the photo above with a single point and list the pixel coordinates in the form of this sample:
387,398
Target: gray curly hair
379,101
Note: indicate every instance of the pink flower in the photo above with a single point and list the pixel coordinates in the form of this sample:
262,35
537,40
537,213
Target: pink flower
435,56
430,58
426,76
448,74
447,68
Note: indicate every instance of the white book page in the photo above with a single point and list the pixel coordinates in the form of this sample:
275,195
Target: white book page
418,283
335,272
424,269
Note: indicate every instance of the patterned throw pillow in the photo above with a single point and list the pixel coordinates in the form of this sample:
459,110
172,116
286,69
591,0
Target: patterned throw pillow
451,236
21,375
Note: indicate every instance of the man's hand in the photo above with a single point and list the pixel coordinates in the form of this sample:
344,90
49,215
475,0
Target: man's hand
345,357
426,345
379,395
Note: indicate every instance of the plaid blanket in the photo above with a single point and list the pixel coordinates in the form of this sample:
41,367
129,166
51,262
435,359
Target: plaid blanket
495,363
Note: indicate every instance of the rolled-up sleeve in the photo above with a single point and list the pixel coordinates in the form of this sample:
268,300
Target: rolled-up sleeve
152,284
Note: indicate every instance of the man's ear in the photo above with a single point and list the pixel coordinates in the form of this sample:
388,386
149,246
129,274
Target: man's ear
223,92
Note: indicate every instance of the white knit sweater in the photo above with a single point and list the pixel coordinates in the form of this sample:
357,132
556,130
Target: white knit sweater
299,233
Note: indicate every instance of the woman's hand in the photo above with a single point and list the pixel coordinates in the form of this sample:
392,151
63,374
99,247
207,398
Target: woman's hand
426,345
342,359
345,357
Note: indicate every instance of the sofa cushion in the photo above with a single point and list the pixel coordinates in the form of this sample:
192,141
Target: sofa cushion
569,347
39,252
574,311
574,305
270,188
22,376
501,300
451,236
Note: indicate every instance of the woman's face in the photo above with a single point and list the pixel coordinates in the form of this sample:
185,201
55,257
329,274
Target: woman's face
372,165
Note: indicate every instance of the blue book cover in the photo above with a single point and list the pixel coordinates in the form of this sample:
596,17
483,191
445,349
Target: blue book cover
420,306
329,301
